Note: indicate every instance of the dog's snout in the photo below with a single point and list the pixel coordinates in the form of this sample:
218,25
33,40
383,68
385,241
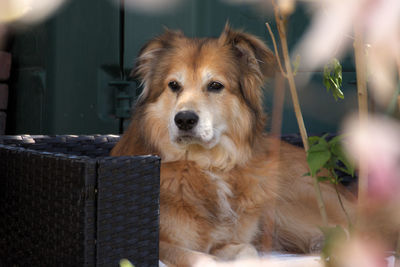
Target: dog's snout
186,120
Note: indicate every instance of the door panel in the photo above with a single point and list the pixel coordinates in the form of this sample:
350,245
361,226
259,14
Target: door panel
78,51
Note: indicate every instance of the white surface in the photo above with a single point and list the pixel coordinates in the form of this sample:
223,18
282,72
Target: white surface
275,259
390,260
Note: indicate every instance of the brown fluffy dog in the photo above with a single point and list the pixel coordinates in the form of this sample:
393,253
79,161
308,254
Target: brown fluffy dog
223,193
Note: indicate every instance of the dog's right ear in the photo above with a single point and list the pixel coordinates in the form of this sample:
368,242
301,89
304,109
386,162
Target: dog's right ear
148,58
151,51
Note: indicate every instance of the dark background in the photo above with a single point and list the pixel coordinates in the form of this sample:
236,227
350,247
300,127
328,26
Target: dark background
67,70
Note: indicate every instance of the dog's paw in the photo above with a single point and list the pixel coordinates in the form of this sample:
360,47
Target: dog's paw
246,251
236,251
205,260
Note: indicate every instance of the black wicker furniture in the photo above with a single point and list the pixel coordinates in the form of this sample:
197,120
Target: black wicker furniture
65,202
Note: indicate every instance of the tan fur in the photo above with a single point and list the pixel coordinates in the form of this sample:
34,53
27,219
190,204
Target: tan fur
224,193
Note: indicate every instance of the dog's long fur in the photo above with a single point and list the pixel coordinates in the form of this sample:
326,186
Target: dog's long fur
224,192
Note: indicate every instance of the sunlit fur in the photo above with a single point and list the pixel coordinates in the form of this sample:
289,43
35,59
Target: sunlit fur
223,192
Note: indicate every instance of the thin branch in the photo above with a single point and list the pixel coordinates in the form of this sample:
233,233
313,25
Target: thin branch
296,105
398,66
342,206
276,125
278,59
340,199
290,77
397,251
278,103
394,102
398,97
361,73
398,104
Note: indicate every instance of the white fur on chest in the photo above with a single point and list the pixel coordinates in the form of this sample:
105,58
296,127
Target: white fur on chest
224,193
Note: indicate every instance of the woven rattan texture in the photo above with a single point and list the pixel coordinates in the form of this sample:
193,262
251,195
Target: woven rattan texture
137,193
64,202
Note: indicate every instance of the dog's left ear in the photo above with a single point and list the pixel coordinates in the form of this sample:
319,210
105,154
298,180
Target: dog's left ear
256,62
250,50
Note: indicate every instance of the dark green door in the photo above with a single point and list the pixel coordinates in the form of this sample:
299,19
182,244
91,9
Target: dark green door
67,71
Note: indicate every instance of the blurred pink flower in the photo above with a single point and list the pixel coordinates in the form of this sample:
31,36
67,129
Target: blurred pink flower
28,11
330,32
378,143
358,252
331,35
150,6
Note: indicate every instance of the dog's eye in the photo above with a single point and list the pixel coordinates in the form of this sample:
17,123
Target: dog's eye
215,86
174,85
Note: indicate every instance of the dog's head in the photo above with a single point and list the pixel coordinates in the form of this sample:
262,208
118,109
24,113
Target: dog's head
203,94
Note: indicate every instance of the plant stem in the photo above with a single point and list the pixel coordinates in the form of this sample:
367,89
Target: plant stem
398,103
398,80
394,101
397,251
320,201
362,108
277,111
333,174
276,125
278,59
289,75
343,208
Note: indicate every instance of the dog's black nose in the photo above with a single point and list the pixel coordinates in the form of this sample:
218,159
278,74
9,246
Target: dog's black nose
186,120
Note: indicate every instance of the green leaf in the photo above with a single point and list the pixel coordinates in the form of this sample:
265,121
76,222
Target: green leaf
335,140
296,64
327,85
322,141
345,170
313,140
332,163
338,68
125,263
334,180
332,78
317,156
323,178
337,150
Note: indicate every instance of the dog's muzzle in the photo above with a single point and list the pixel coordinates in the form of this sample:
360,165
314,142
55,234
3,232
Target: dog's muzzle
186,120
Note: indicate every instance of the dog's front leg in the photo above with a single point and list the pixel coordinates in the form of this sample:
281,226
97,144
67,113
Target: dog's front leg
235,251
176,256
